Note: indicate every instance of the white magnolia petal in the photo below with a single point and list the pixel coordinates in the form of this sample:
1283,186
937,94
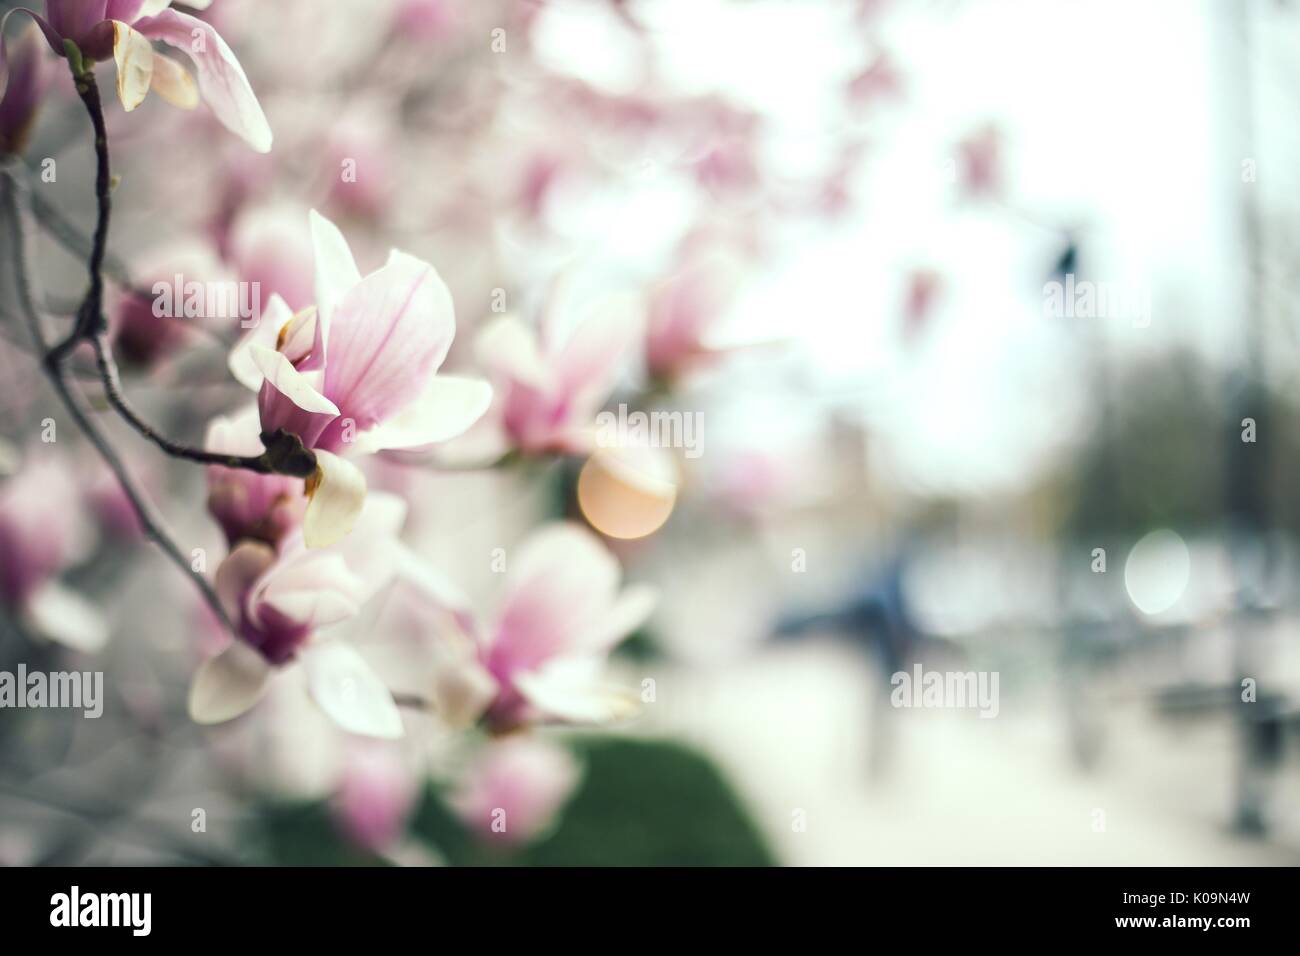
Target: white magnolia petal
559,694
235,434
239,572
291,383
264,334
508,347
336,270
173,83
349,691
373,552
630,610
65,617
229,684
318,607
133,54
338,493
448,407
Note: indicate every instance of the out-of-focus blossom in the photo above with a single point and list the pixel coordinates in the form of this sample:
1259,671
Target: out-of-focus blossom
980,162
684,314
123,30
148,328
878,80
515,789
249,506
550,385
271,246
924,287
424,19
375,795
29,75
111,505
542,657
729,163
278,603
358,160
42,531
356,374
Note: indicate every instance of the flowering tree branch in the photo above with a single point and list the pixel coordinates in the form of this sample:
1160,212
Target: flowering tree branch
284,452
15,199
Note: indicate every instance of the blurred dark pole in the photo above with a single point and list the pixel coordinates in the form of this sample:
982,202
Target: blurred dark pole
1247,507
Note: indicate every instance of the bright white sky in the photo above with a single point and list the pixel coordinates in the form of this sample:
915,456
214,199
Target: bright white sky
1119,116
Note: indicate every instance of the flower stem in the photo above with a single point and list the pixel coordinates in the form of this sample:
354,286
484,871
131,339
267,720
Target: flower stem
285,456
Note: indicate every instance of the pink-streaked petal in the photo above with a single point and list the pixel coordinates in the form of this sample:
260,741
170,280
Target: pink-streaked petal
279,372
560,584
448,407
338,494
336,271
388,336
133,54
265,333
288,398
222,81
349,691
590,361
228,685
562,548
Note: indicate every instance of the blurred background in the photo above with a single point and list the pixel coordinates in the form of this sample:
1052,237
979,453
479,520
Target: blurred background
985,314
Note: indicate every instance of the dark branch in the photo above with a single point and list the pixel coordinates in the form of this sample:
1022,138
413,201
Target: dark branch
284,453
150,521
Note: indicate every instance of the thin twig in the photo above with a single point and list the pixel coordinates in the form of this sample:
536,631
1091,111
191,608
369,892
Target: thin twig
284,453
150,521
90,317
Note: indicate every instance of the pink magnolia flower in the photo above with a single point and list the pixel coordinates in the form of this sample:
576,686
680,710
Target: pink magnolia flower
270,244
356,373
247,505
515,789
684,314
376,794
279,603
29,75
42,531
124,30
550,385
148,328
542,656
980,159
